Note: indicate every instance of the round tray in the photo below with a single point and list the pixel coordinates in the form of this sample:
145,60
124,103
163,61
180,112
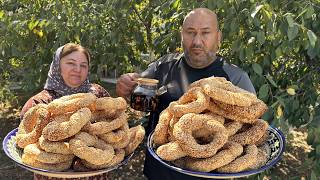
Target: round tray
15,153
275,145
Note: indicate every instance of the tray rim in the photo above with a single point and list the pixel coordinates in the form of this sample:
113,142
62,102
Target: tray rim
59,174
223,175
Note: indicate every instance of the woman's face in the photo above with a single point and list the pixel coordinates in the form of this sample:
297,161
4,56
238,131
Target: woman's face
74,69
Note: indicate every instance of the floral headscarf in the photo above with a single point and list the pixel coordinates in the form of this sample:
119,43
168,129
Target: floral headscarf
56,83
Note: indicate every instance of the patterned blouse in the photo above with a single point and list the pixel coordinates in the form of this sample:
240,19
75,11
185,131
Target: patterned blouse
46,96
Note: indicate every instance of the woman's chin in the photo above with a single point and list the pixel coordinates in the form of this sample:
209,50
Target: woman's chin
74,84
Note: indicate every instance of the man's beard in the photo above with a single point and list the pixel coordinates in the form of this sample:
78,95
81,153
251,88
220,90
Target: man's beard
209,56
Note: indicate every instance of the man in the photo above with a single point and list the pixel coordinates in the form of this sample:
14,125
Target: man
201,39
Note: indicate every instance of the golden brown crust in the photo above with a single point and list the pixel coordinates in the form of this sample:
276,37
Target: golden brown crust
99,154
59,147
213,107
170,151
46,157
218,88
161,131
136,137
118,157
229,152
190,122
242,163
30,160
254,111
70,103
252,135
103,127
56,131
193,101
23,138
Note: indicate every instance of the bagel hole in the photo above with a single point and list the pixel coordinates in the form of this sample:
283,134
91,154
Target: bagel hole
204,140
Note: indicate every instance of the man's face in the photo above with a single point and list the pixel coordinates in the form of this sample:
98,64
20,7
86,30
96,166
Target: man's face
200,39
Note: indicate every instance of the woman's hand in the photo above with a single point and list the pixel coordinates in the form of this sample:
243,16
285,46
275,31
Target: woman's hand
125,84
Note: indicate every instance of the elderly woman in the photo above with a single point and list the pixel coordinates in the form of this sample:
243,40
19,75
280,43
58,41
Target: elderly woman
68,75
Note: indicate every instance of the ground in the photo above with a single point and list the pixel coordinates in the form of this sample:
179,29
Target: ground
293,163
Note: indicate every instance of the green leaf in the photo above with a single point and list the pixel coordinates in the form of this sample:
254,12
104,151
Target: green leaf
292,32
267,14
263,91
318,150
313,176
176,4
310,12
256,10
257,68
1,14
289,19
268,115
270,79
211,4
242,55
261,37
234,26
235,45
295,105
278,52
312,52
312,38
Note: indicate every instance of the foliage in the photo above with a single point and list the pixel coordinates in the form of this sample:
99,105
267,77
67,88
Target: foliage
276,42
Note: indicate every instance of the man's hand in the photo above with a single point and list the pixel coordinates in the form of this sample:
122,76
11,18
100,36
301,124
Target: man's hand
125,84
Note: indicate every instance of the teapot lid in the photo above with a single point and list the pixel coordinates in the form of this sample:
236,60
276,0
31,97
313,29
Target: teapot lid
147,81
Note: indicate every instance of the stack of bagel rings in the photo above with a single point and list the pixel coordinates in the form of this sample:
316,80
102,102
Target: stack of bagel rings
78,131
213,127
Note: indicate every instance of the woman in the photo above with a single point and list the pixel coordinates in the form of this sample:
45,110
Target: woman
68,74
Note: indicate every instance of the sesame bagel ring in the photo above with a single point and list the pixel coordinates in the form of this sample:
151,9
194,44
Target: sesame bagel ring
24,138
91,149
255,111
70,103
30,160
59,147
136,137
170,151
46,157
213,107
30,117
243,162
106,126
56,131
230,151
190,122
252,135
118,157
218,88
122,143
109,103
193,101
162,129
117,135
